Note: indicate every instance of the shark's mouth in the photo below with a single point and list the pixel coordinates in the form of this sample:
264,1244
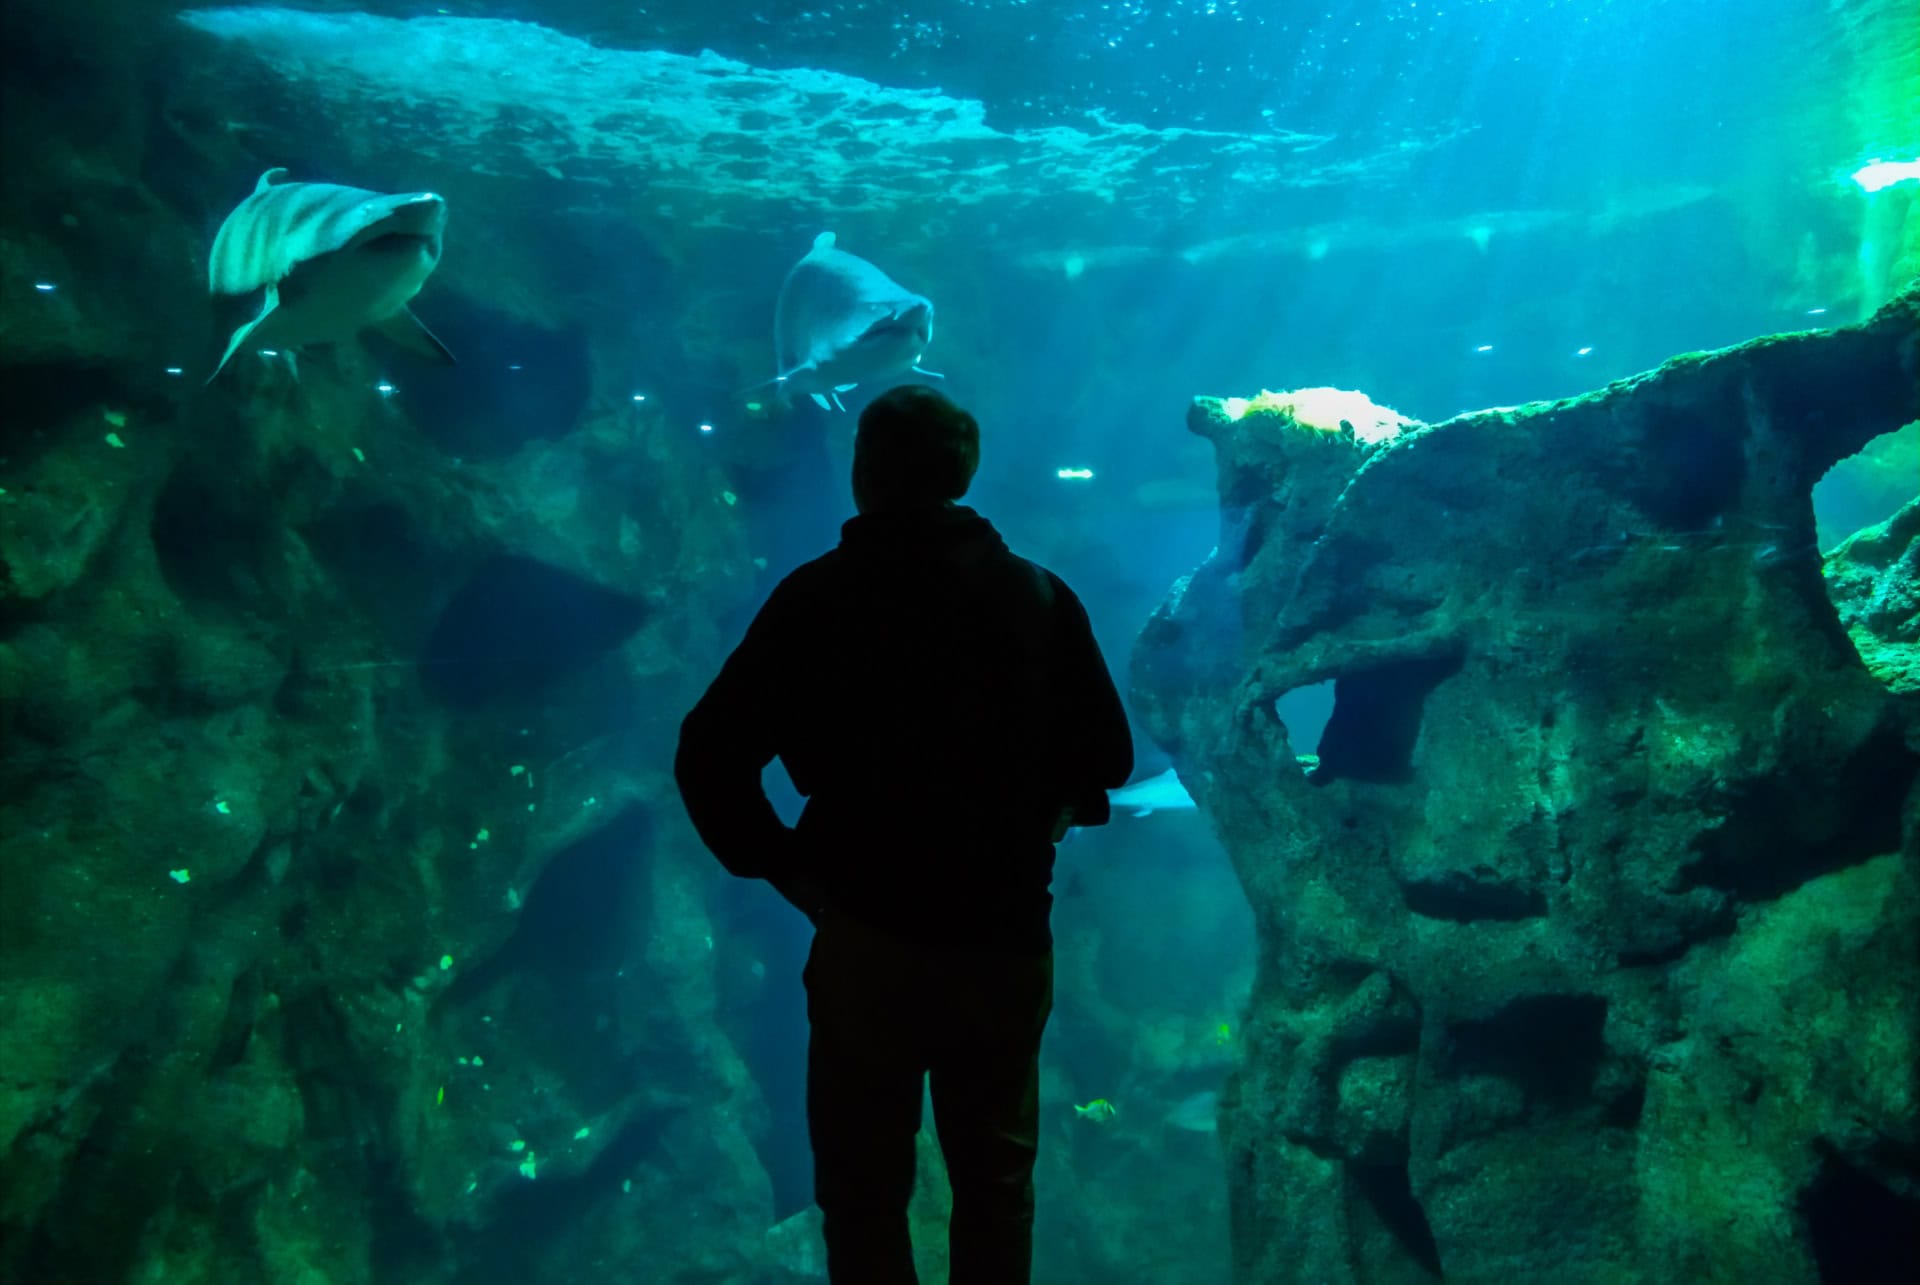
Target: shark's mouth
916,324
399,242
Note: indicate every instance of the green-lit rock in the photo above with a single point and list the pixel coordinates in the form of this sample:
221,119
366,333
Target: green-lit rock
1606,857
1875,582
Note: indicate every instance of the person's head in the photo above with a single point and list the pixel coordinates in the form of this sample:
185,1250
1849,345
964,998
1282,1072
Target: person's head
915,449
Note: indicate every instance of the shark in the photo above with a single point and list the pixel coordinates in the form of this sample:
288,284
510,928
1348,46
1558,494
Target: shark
841,322
1162,793
313,263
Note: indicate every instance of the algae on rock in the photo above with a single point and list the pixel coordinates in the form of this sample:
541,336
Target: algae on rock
1584,939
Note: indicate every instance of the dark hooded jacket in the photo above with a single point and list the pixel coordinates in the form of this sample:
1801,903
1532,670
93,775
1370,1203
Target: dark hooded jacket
939,702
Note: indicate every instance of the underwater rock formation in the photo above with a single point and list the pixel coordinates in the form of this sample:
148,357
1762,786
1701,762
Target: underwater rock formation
1874,580
1586,937
350,926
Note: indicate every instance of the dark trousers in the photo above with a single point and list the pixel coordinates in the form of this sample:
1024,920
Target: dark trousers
885,1014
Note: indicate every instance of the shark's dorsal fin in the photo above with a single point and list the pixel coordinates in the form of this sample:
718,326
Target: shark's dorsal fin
268,179
824,241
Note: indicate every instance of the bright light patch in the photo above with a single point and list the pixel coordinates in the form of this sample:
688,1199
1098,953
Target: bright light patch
1877,174
175,370
1816,312
45,287
754,408
706,428
1583,352
269,352
514,366
384,389
1074,266
638,397
1484,348
1074,474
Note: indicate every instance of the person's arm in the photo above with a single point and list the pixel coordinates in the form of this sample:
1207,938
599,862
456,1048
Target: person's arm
727,741
1092,730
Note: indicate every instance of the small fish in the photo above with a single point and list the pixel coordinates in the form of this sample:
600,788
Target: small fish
312,263
841,322
1199,1113
1098,1111
1162,793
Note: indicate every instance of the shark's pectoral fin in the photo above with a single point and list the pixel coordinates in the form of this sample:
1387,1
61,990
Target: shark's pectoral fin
240,335
820,400
930,374
293,364
1144,812
844,388
405,329
838,404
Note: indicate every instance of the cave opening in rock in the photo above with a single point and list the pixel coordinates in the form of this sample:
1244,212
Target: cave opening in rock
211,553
1388,1193
517,625
1862,1231
1305,711
1549,1045
1375,722
1867,557
1867,487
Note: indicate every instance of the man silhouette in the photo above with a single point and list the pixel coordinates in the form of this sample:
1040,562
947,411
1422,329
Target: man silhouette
944,708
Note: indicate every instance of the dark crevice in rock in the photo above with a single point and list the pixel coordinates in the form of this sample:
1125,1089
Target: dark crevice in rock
578,915
42,394
516,626
1689,468
236,1025
1388,1191
344,1112
405,1245
1376,720
1625,1110
1763,850
377,555
1653,956
1862,1232
528,1217
514,383
1464,900
211,553
1549,1045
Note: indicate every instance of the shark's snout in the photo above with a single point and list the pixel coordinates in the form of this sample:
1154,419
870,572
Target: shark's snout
421,214
418,215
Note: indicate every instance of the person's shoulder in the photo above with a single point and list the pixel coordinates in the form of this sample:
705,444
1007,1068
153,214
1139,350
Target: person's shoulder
809,578
1047,584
